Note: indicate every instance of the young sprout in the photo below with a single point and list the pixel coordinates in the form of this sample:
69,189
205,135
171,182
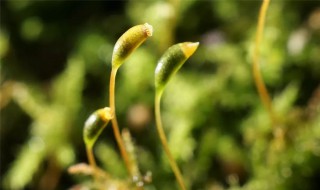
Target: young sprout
125,45
93,127
168,65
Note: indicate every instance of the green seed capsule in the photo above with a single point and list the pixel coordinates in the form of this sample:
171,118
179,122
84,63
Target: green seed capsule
94,125
171,62
129,41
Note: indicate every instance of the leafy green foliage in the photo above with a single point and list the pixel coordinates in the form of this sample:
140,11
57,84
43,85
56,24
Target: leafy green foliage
52,120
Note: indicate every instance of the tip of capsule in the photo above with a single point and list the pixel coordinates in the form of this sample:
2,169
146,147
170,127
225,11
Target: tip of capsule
105,114
189,48
148,29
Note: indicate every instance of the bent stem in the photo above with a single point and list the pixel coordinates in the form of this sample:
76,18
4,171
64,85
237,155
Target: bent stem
92,162
114,121
164,141
262,90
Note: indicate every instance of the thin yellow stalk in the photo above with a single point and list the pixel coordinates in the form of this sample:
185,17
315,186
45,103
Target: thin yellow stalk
92,161
164,142
114,121
262,90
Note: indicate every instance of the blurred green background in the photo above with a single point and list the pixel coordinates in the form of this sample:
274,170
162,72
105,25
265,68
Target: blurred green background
55,67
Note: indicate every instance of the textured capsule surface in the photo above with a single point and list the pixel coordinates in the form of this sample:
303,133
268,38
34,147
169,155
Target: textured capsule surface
171,62
129,41
94,125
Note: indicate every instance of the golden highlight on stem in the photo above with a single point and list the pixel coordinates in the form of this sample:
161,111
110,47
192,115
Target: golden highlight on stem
262,90
164,142
114,121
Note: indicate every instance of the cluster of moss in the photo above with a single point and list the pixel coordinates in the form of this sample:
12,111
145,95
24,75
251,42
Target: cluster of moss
55,68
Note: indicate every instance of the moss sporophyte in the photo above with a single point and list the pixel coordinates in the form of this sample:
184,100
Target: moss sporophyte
125,45
171,61
93,127
181,133
95,124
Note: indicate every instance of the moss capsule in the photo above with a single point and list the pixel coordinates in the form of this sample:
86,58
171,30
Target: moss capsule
94,125
129,41
171,62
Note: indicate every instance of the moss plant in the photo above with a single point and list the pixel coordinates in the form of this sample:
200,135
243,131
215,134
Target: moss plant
98,120
125,45
226,134
92,129
168,65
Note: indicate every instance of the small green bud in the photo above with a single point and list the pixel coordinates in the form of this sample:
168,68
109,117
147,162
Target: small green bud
129,41
171,62
94,125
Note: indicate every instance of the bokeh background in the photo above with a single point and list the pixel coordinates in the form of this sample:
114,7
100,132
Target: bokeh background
55,68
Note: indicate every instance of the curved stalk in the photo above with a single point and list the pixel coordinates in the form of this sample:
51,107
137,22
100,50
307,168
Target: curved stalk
114,121
125,45
164,142
92,161
262,90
